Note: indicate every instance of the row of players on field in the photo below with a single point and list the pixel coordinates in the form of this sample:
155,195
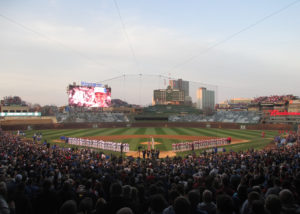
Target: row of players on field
200,144
124,147
100,144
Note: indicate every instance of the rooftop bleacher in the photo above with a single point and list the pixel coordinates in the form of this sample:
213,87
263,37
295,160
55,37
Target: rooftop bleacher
274,99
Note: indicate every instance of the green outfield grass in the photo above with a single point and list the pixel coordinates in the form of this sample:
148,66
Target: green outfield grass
254,136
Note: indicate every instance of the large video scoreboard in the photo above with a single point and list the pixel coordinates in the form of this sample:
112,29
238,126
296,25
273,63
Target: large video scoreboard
89,96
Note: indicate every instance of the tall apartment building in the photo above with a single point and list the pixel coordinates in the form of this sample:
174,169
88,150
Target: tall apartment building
205,99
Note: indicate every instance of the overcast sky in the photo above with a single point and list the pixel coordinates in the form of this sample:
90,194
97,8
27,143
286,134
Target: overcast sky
246,48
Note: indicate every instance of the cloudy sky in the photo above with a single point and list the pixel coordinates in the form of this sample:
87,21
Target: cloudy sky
242,48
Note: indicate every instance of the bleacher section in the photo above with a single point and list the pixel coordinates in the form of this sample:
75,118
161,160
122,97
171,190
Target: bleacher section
222,116
170,109
91,117
274,99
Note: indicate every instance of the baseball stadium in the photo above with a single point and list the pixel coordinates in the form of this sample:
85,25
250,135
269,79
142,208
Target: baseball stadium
149,107
109,156
183,118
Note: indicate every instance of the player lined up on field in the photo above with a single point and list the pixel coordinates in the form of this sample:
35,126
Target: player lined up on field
200,144
100,144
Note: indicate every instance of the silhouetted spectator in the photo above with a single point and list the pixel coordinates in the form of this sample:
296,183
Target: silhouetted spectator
22,202
157,204
207,204
68,207
116,201
287,200
4,208
182,206
46,202
273,204
101,206
224,205
257,207
125,210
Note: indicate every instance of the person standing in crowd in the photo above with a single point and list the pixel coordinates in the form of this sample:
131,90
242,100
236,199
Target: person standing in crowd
122,147
144,153
4,208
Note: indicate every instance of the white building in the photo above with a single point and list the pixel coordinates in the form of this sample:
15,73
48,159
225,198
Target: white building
205,99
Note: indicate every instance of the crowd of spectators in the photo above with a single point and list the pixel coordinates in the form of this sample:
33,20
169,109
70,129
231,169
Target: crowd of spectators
273,99
285,138
220,116
37,179
89,116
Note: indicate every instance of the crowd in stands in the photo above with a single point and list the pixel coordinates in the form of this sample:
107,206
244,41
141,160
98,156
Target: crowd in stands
173,109
286,138
221,116
37,179
273,99
88,116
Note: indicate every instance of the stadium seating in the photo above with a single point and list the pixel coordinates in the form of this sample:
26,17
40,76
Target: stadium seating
273,99
222,116
81,117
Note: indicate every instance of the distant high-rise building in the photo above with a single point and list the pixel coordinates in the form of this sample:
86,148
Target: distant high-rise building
184,86
180,85
205,99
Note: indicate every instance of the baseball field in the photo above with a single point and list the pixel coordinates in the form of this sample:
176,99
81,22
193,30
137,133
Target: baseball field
163,137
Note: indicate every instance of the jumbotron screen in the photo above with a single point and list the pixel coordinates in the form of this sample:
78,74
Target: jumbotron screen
86,96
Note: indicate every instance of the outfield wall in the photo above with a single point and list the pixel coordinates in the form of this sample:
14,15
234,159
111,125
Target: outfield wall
149,124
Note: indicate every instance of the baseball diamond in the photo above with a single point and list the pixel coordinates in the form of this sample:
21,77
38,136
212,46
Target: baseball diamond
165,137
